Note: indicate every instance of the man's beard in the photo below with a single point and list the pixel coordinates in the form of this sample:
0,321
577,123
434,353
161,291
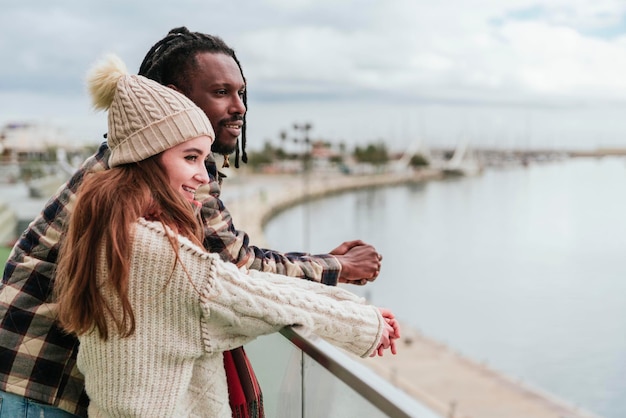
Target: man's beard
224,147
220,148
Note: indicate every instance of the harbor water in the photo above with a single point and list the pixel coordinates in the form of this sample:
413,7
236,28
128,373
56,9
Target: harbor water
520,268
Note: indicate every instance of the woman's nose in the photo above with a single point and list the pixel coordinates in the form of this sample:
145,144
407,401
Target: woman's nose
203,175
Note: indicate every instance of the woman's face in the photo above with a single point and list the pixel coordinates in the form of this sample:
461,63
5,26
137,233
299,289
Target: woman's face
184,165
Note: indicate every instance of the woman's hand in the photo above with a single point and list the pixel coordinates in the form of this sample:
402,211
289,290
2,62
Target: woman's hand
390,333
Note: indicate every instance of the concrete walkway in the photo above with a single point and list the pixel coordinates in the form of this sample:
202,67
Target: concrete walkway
446,382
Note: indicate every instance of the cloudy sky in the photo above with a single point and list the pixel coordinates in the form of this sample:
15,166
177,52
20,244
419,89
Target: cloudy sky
500,73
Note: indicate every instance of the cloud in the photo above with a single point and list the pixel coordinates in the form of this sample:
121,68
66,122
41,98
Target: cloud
405,54
515,53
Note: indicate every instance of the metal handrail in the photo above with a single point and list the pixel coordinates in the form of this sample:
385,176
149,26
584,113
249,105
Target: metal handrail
388,399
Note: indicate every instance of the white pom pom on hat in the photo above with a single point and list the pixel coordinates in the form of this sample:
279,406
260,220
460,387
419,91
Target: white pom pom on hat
145,118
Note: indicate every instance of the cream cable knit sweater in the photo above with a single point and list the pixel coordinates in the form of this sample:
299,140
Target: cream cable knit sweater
172,365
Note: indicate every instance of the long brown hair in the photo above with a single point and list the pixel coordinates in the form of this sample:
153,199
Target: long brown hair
108,205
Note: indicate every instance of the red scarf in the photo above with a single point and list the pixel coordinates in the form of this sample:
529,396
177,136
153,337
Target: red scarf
244,392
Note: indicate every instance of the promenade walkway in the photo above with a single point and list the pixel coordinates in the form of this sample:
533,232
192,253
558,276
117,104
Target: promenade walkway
254,199
448,383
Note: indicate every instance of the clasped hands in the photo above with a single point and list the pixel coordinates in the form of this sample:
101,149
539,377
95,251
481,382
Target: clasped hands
360,262
390,334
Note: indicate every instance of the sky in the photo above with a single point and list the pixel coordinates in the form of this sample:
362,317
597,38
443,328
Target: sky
412,73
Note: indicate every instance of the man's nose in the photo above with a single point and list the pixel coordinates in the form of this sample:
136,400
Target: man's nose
237,106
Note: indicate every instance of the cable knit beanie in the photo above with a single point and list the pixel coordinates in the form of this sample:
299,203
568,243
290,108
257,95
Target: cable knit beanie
145,117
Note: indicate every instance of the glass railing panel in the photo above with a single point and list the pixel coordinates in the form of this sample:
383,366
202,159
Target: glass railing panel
322,381
327,396
278,366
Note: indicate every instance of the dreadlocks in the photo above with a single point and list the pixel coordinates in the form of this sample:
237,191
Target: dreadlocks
173,59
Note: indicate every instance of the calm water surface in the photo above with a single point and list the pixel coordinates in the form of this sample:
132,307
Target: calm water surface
520,268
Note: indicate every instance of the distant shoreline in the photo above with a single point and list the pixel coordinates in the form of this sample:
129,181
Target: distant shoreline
276,193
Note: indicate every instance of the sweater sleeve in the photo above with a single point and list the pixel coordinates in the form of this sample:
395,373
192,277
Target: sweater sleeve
243,306
236,307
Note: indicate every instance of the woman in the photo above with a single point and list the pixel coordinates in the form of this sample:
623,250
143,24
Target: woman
154,311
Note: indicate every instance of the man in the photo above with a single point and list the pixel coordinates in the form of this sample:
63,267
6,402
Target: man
207,71
38,360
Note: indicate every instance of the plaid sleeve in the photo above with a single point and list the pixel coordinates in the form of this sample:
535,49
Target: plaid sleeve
234,246
37,359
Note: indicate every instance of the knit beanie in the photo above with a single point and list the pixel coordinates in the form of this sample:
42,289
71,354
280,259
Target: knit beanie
145,117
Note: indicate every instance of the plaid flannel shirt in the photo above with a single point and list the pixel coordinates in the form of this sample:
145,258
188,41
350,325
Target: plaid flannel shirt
37,359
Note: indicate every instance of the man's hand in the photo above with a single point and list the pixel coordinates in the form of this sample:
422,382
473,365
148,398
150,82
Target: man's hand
360,262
